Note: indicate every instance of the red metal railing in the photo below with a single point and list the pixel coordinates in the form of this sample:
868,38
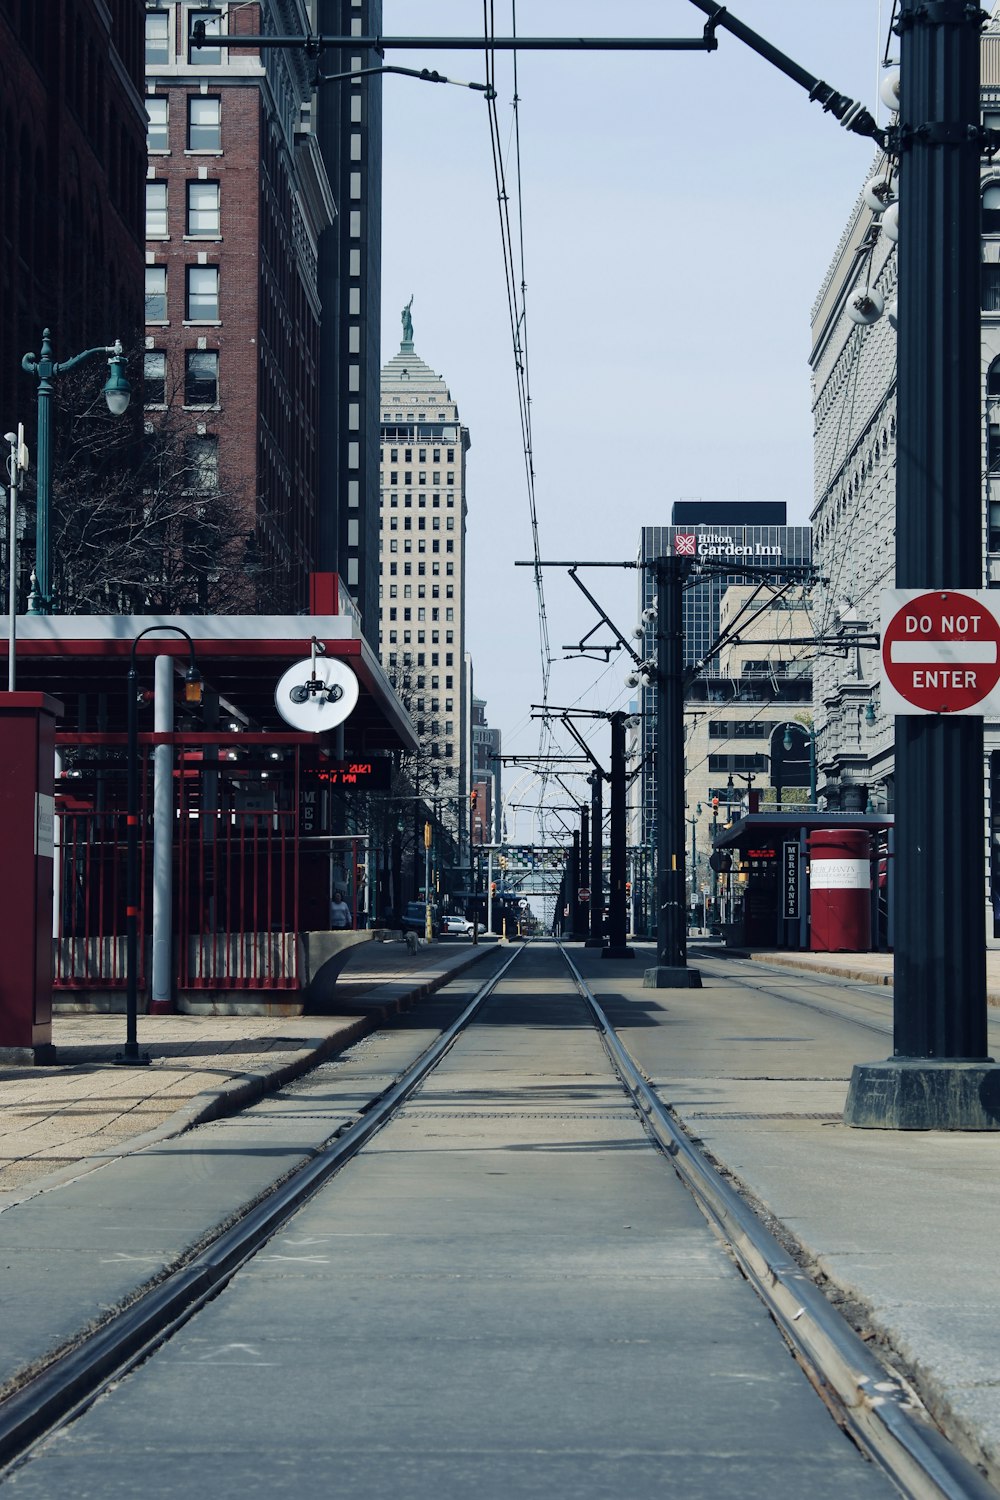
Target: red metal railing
90,901
236,916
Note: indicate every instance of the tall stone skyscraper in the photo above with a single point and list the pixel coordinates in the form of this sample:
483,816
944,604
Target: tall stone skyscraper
422,620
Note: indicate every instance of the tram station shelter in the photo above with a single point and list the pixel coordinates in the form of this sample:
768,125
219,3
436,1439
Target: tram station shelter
247,825
805,880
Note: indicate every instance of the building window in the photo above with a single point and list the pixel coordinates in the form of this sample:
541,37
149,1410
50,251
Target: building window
991,208
156,294
203,208
990,283
203,294
156,210
210,56
157,135
157,37
201,377
202,454
204,123
154,378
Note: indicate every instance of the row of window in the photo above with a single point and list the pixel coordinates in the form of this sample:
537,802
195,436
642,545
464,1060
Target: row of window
449,569
421,476
201,294
421,499
449,656
421,456
449,592
449,635
449,545
720,763
741,729
160,44
204,123
203,212
422,523
201,377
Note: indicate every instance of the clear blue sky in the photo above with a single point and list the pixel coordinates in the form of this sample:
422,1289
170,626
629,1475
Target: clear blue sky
680,213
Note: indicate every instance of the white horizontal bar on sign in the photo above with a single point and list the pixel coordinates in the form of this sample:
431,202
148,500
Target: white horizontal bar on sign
950,651
840,875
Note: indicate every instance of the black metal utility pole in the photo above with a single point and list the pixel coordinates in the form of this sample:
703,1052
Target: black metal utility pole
575,923
671,971
939,1077
584,868
596,877
617,854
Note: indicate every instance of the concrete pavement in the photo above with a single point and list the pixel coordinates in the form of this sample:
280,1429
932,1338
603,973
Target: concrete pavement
56,1119
901,1227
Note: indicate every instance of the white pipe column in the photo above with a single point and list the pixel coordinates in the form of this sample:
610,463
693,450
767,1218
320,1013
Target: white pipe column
161,987
489,890
57,855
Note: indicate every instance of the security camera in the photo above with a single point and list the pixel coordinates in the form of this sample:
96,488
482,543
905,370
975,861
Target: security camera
865,306
879,192
639,631
632,680
10,437
648,616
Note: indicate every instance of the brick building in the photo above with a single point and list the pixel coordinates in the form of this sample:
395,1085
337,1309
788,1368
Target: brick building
72,154
237,201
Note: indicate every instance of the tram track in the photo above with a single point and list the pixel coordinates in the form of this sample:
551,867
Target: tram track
74,1377
871,1402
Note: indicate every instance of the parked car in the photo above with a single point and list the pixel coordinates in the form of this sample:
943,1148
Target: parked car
415,918
453,923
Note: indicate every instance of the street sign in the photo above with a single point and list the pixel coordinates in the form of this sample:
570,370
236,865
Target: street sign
584,893
523,904
940,652
790,881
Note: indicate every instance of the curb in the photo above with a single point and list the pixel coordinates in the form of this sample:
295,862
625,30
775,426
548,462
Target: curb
236,1093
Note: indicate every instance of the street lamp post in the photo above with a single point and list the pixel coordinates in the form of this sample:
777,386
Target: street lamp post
787,746
117,394
192,692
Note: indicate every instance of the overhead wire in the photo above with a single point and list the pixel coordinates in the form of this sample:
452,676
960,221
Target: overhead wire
513,251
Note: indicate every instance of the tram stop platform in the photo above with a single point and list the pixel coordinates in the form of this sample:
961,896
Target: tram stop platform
900,1228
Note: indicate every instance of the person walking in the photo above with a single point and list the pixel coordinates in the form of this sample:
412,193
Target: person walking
340,912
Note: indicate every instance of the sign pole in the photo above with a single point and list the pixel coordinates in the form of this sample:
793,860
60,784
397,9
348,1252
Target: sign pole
936,1077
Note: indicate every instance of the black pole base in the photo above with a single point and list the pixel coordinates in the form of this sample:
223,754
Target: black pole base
131,1060
617,950
594,943
918,1093
663,978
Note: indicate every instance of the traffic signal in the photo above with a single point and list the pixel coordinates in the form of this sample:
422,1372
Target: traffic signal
628,889
715,804
473,799
493,887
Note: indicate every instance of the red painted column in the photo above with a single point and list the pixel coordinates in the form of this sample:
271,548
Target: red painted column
27,815
840,883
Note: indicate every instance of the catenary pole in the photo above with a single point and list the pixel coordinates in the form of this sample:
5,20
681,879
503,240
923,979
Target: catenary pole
936,1078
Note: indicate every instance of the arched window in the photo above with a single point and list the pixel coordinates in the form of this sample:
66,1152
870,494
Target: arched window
991,208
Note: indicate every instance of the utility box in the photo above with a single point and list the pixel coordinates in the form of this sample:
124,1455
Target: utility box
27,817
840,882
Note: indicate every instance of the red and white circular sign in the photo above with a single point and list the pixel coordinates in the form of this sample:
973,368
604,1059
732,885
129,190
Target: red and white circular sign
941,652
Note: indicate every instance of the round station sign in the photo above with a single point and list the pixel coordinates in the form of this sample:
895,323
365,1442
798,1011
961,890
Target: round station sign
941,652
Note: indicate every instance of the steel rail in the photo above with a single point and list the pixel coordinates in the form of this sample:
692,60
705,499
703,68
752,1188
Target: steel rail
873,1404
75,1377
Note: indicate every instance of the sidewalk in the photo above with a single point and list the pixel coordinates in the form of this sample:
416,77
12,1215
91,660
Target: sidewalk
55,1120
864,968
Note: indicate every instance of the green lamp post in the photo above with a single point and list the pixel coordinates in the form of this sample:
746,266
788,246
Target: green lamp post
117,393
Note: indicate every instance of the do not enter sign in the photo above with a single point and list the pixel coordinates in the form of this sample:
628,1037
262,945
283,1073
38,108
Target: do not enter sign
940,652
